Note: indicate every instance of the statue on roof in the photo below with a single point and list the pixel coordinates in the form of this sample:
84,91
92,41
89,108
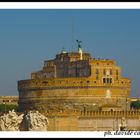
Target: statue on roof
79,44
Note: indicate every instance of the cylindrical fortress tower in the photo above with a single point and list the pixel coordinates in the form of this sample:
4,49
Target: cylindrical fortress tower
71,83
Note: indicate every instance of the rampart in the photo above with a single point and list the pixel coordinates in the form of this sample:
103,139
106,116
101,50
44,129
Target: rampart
94,120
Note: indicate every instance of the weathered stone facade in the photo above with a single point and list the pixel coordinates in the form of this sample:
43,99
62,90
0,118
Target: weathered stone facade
94,121
75,81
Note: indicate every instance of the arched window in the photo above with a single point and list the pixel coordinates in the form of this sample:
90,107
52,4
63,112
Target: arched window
107,80
104,80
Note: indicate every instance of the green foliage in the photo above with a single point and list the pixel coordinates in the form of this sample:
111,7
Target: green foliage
7,107
135,105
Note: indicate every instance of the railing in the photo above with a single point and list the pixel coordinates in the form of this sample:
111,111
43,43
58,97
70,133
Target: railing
88,114
130,113
99,114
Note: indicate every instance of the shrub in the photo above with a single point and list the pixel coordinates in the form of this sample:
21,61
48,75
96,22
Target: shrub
135,105
7,107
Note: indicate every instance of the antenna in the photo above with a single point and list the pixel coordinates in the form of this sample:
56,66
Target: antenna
72,32
63,49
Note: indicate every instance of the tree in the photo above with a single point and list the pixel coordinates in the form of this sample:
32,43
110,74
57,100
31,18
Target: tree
135,104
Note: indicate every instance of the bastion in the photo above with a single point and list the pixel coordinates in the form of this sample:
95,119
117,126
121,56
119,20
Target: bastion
75,81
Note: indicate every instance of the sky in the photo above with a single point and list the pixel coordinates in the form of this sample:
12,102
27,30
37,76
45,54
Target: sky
30,36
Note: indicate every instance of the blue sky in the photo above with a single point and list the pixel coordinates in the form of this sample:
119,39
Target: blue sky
28,37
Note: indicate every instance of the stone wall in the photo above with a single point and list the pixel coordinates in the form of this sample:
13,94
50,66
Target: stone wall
71,121
73,93
95,121
75,99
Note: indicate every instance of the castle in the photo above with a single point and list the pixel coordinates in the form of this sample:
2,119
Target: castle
75,81
78,92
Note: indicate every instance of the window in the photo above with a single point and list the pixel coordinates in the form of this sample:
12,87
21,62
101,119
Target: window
107,80
116,77
110,71
116,72
104,80
97,77
97,71
110,80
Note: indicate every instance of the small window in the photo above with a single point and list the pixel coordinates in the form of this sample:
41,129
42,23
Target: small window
107,80
97,78
116,77
104,80
94,81
110,80
97,71
110,71
88,81
116,72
